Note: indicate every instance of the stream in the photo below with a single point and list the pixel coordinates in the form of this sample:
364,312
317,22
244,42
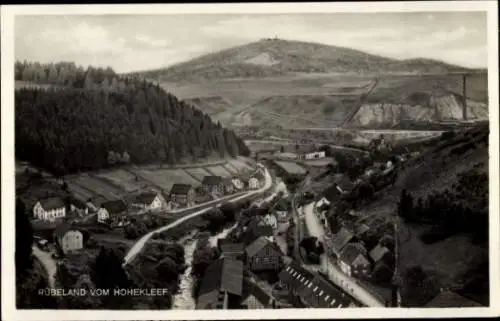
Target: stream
184,300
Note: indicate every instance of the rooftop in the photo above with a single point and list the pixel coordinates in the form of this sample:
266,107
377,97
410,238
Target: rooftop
180,189
145,198
114,207
352,254
212,180
313,288
378,252
52,203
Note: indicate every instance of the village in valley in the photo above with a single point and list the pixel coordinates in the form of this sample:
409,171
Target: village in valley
243,180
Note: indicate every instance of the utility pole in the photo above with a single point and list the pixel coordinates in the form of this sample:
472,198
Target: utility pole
464,96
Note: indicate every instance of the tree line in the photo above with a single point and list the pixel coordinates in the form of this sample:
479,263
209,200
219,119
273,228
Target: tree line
85,126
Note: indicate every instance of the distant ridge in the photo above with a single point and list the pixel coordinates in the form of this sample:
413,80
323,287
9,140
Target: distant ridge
277,57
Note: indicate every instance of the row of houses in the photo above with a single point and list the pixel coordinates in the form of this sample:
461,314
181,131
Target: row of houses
225,285
180,195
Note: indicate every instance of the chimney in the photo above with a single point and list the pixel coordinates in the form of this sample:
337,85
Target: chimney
464,97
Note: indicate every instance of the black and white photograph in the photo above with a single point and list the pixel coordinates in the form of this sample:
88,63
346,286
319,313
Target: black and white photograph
167,159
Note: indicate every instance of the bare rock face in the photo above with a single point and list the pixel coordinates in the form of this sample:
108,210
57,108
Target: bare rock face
439,108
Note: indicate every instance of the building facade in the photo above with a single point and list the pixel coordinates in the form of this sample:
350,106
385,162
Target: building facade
182,194
262,255
68,239
212,185
49,209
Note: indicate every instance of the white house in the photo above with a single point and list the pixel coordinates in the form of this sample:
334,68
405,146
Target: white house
315,155
150,201
110,208
270,220
237,183
49,209
253,183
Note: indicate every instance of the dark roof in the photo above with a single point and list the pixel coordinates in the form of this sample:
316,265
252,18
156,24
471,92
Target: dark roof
145,198
258,175
313,288
378,252
282,205
52,203
223,274
352,254
361,228
254,231
340,239
232,248
212,180
181,189
78,203
450,299
62,229
228,181
257,245
232,276
253,289
114,207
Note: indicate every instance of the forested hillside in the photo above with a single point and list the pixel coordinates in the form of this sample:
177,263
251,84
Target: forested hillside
93,118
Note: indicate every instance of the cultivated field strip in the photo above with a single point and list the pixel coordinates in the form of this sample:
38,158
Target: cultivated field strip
80,192
219,171
240,165
123,179
99,187
230,168
164,179
198,173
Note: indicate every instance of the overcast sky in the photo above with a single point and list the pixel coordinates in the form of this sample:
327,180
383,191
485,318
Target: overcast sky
133,42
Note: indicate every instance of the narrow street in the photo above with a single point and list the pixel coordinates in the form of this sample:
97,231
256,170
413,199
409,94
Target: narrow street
48,262
334,273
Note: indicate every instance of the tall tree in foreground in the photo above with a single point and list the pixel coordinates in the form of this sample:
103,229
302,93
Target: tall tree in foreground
24,238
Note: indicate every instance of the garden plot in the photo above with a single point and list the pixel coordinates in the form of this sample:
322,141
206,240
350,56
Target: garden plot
122,178
219,171
199,173
165,178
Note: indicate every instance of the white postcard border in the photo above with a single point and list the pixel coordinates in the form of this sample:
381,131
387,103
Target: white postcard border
9,312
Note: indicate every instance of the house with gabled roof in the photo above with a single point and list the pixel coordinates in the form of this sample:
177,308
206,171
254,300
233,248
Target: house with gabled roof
223,281
68,238
339,240
263,255
212,184
110,209
254,297
227,183
353,261
150,201
182,194
49,209
232,250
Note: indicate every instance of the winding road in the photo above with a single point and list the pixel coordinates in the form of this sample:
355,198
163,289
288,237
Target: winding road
48,263
139,245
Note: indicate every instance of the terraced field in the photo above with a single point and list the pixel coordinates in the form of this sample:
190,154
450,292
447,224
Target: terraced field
123,179
165,178
219,171
98,187
240,165
80,192
199,173
230,168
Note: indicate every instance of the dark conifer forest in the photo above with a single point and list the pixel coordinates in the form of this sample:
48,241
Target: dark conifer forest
69,119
